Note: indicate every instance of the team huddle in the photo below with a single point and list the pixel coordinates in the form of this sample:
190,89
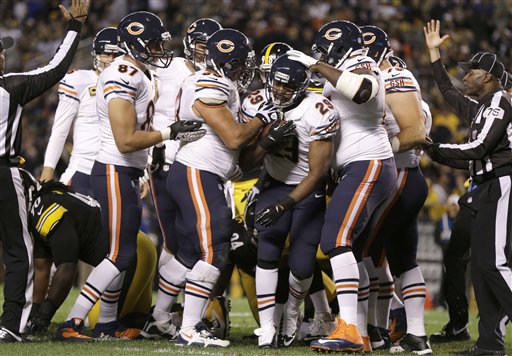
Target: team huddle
310,186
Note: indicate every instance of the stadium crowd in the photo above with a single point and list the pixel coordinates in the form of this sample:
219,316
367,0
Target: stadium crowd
283,237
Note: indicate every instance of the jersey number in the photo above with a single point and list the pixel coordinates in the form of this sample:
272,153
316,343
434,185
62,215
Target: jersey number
123,68
255,98
324,106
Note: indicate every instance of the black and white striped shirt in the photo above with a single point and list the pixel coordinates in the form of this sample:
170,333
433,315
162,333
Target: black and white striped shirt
489,144
17,89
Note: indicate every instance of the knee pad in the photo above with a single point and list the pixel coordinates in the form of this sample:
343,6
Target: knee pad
268,264
203,272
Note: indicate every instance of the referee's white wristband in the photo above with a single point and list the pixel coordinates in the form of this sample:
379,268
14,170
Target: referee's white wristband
166,133
395,144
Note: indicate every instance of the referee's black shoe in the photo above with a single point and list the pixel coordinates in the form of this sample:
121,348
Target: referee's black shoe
477,351
7,335
450,333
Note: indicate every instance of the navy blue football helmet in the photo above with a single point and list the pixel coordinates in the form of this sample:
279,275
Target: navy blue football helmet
143,35
199,32
336,41
105,41
287,82
228,52
376,40
397,62
269,54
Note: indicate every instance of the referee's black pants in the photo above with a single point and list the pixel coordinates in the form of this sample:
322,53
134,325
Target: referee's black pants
17,251
490,246
456,259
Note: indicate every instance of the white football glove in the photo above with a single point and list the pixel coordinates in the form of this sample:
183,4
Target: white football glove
301,57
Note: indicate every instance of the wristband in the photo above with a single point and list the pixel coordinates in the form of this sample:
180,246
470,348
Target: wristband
395,144
166,133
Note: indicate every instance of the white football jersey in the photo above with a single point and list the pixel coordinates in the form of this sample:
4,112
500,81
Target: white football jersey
315,119
77,108
251,104
399,80
168,81
123,80
209,152
363,136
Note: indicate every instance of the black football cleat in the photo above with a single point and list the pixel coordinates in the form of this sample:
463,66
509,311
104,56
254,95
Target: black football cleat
450,333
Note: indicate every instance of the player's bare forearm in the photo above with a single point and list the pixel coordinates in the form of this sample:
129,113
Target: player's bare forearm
62,282
137,140
330,73
320,153
411,137
42,268
47,174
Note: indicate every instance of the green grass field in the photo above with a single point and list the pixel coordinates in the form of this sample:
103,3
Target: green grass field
242,325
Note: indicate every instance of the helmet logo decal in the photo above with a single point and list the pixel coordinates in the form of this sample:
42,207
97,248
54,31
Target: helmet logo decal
225,46
333,34
192,28
369,38
135,28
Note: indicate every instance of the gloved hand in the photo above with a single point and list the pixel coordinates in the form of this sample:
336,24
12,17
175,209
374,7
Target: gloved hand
251,196
269,215
280,132
40,321
186,131
268,113
157,159
301,57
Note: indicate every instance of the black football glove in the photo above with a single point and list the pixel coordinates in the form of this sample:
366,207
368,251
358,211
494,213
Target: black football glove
186,131
41,319
268,113
280,132
269,216
157,159
252,198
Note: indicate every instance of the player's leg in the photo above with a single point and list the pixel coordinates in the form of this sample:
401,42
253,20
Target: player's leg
401,250
307,220
206,222
270,246
121,214
362,189
17,256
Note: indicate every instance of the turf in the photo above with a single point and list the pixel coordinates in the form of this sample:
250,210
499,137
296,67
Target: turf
242,326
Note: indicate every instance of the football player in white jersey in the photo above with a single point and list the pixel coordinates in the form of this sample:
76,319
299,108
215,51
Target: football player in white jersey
77,108
197,177
125,104
169,82
394,225
364,162
293,201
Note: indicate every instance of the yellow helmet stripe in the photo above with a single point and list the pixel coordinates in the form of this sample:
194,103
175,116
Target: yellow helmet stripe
267,53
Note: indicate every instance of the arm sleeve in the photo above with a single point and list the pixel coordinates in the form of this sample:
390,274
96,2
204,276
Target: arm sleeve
64,116
27,86
453,163
495,126
465,107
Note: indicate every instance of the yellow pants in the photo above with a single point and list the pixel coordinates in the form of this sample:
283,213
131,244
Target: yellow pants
140,293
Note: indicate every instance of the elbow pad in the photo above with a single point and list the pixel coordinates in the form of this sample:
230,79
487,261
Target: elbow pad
357,87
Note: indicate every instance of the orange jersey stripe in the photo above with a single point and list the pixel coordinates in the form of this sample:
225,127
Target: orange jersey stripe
92,294
410,291
169,288
266,300
346,286
197,290
67,90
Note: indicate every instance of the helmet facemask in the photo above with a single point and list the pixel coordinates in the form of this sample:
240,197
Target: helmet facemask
283,93
248,72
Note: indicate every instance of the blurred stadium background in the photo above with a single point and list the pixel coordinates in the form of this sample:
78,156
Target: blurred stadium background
473,25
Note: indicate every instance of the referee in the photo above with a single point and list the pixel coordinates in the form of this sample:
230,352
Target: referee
490,164
17,89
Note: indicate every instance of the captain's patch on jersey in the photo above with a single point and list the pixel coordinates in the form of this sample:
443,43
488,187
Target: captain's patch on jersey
493,113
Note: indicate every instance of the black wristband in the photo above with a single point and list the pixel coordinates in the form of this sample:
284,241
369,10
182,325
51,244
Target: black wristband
74,25
47,309
287,203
